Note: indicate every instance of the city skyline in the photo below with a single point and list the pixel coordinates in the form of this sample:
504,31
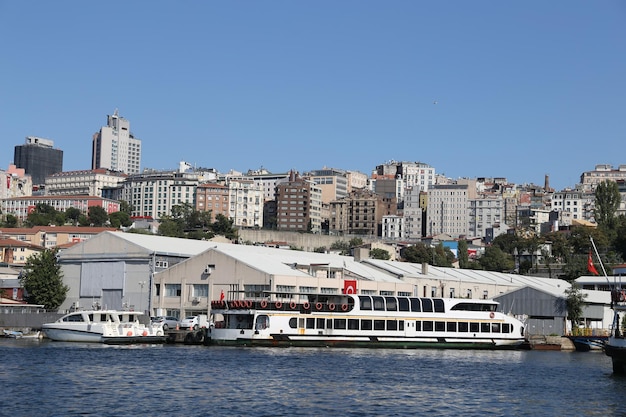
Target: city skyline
473,89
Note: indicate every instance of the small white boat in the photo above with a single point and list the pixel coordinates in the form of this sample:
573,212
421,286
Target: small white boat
104,326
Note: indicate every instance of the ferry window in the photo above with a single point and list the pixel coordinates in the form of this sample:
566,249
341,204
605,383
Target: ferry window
403,304
427,326
75,317
379,324
440,326
329,323
392,325
293,323
310,323
353,324
463,326
301,323
262,322
433,291
438,305
485,327
427,305
320,323
340,323
418,326
366,325
495,327
401,325
415,305
506,328
366,302
451,326
473,327
392,304
379,303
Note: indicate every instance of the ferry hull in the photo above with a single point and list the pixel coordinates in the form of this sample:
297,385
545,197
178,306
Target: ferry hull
369,342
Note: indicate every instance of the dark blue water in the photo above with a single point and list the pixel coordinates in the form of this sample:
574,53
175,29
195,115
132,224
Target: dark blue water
70,379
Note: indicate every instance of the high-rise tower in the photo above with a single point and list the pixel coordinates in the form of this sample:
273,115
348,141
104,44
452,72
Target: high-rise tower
38,158
115,147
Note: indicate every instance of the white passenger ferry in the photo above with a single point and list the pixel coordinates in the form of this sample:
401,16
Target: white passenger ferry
365,321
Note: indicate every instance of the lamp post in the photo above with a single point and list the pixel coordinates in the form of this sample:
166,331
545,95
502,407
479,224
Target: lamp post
141,284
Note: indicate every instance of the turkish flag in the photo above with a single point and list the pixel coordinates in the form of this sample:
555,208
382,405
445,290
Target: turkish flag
222,296
349,286
590,267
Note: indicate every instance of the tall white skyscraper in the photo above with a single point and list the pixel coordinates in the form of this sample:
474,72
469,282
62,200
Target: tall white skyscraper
115,147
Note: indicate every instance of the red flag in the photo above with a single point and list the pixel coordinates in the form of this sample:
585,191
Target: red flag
590,267
349,286
222,296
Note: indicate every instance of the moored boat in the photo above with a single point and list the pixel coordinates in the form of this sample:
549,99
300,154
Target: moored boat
366,321
104,326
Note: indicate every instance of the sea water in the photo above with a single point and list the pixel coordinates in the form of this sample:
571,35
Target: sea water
45,378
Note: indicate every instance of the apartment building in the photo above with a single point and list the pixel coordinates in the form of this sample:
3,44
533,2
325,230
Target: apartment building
448,210
298,205
21,207
83,182
213,197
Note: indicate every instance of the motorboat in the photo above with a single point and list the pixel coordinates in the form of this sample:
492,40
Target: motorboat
104,326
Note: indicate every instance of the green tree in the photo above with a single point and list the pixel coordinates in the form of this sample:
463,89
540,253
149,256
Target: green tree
462,254
607,202
342,246
574,301
97,216
355,242
126,207
120,218
418,253
43,280
10,221
42,215
171,227
378,253
494,259
72,214
224,226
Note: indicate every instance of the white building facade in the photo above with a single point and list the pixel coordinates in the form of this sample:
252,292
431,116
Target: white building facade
115,148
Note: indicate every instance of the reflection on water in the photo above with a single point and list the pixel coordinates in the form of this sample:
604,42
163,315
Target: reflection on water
59,379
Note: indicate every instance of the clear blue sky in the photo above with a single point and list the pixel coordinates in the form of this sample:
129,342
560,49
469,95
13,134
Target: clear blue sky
522,89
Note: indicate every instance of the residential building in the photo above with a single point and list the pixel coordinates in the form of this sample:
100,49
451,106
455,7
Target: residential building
604,172
14,182
360,213
115,147
84,182
298,205
412,173
16,252
50,237
21,207
154,193
448,210
393,227
213,197
580,203
486,214
39,158
333,183
414,213
246,202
